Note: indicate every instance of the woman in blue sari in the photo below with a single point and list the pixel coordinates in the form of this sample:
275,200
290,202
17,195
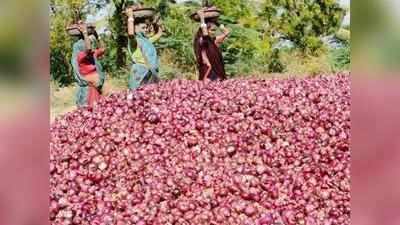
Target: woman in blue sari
142,51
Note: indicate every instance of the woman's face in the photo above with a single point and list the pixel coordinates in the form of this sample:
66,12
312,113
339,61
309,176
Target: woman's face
141,28
212,29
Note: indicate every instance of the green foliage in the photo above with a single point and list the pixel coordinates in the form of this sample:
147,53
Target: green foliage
276,65
343,35
234,9
63,13
299,64
244,50
108,61
179,36
59,69
303,22
340,58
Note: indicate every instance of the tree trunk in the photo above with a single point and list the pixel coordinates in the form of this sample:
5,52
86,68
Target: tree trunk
121,44
70,76
119,29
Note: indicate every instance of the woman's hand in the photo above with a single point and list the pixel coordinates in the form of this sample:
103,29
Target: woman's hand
82,27
224,29
131,22
221,38
203,22
201,14
129,12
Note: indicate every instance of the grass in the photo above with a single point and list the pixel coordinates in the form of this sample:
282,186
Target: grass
62,100
304,66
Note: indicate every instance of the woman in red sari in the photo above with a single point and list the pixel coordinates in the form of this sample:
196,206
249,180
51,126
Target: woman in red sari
87,69
207,49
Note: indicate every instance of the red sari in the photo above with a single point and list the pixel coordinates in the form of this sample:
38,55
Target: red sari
214,54
87,68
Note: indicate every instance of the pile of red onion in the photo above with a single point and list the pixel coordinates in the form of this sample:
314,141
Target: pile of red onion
242,151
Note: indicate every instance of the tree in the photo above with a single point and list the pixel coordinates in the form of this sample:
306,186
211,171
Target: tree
303,22
118,27
234,9
62,13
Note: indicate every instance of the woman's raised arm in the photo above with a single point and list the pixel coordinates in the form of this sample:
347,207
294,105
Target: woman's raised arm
221,38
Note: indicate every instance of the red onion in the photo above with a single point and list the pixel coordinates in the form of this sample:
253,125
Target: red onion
240,152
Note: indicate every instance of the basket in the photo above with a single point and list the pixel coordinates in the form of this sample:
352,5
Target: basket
208,14
73,30
143,13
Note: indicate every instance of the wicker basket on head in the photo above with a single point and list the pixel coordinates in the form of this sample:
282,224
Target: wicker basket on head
210,13
73,29
142,12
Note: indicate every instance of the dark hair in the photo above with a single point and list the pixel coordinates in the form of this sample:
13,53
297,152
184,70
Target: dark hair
140,20
210,24
95,34
212,21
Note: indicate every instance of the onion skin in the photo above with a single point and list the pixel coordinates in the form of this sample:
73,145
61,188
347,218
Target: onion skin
240,152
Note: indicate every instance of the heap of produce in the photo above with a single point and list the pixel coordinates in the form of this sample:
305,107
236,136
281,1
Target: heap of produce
238,152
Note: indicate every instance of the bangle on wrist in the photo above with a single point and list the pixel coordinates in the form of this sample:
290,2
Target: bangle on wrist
130,19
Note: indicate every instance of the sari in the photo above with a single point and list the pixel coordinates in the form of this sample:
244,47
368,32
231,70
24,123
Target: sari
214,54
87,92
145,66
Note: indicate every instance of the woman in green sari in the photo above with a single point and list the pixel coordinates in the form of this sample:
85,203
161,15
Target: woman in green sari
141,48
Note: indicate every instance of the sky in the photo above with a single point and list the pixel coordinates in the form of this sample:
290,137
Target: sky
346,3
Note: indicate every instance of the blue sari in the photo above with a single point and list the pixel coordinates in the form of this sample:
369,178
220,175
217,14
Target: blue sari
140,73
